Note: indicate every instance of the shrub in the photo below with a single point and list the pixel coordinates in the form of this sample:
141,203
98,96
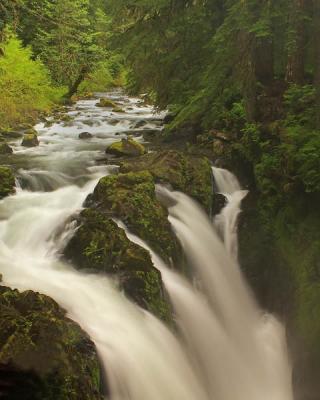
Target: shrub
25,85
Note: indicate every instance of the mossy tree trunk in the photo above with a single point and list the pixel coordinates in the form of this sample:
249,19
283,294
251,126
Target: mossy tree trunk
295,71
316,37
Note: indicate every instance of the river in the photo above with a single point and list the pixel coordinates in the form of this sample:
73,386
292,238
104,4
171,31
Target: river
225,347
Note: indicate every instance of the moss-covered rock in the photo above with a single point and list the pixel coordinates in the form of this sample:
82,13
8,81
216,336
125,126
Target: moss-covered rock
100,245
43,354
189,174
118,109
107,103
5,148
30,139
131,198
7,182
126,147
12,134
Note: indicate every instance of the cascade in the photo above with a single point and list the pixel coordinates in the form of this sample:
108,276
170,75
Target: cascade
225,347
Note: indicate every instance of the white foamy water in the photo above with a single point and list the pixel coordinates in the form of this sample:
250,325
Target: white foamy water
225,348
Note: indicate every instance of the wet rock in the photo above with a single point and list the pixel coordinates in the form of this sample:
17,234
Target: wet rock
100,245
131,198
12,134
169,118
150,133
219,203
5,148
66,118
189,174
126,147
48,124
43,354
30,139
85,135
107,103
90,122
112,121
140,124
118,110
7,182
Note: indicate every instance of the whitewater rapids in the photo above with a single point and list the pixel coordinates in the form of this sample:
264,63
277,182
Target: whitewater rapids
225,348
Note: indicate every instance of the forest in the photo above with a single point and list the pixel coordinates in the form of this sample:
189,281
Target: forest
149,129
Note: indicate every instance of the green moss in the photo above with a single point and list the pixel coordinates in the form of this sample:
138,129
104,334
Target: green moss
126,147
189,174
7,182
153,293
118,109
106,103
30,139
131,198
99,244
37,340
5,148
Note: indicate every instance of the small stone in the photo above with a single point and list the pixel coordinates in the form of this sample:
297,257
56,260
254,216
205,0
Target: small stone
85,135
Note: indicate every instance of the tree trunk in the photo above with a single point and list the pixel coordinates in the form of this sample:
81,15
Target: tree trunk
296,58
264,61
73,89
316,38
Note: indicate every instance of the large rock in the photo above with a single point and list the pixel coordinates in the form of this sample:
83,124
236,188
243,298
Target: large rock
189,174
107,103
12,134
5,148
43,354
118,109
7,182
126,147
30,139
100,245
131,198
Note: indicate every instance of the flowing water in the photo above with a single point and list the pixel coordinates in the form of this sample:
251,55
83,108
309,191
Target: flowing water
225,348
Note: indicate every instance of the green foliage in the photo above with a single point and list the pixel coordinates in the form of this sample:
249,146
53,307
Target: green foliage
303,148
300,105
106,74
25,85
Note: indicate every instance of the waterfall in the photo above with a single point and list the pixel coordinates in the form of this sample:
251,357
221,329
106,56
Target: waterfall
226,222
225,348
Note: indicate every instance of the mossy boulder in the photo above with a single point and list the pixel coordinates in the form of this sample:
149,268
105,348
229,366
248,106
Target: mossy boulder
100,245
131,198
118,109
12,134
30,139
107,103
189,174
43,354
5,148
126,147
7,182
